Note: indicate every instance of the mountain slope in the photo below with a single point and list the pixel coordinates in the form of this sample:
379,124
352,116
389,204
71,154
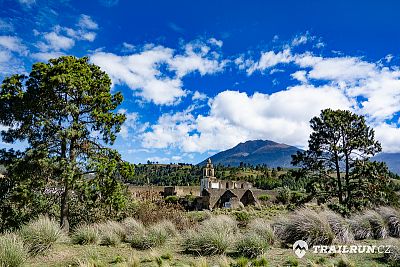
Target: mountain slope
256,152
391,159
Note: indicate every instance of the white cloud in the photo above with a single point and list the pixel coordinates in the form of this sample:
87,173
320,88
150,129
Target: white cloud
56,42
270,59
6,26
131,123
156,72
12,43
300,75
86,22
198,96
388,135
236,117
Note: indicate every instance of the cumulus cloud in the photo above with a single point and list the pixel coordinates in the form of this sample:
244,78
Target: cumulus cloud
236,117
12,43
86,22
156,72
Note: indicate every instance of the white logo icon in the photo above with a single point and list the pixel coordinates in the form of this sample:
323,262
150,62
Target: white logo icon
300,247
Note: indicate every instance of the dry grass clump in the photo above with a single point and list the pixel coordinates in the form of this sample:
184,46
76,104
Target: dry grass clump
153,236
262,228
307,225
12,251
111,233
86,234
40,235
251,245
368,225
213,236
392,219
340,227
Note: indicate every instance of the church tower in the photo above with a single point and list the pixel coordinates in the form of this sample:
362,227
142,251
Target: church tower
208,176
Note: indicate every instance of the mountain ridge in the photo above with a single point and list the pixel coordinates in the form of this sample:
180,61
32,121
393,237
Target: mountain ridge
275,154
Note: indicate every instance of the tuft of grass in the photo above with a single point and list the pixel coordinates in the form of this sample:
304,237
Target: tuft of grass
132,228
40,235
260,262
213,236
307,225
369,225
241,262
252,245
292,262
345,262
111,233
12,250
155,236
340,227
393,258
392,219
86,234
262,228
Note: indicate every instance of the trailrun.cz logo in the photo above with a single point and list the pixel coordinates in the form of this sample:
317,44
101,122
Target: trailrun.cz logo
300,247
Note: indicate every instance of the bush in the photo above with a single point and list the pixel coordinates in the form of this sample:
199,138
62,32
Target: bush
213,236
86,234
264,197
260,262
392,219
378,225
262,228
172,199
284,195
252,245
155,236
40,235
12,251
241,216
309,226
340,227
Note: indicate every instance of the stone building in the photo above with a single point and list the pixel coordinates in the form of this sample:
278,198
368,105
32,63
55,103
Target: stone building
216,193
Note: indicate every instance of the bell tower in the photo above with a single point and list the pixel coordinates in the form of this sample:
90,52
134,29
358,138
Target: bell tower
208,176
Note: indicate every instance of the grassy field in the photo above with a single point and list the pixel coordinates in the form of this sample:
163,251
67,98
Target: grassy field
170,255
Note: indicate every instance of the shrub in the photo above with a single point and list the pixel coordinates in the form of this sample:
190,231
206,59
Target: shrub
392,219
340,227
309,226
263,197
40,235
12,251
252,245
172,199
155,236
213,236
241,216
86,234
241,262
292,262
284,195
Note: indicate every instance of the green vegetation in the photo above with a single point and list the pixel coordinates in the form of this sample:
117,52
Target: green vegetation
338,160
12,250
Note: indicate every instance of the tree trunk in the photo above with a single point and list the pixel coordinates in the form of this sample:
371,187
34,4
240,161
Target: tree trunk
339,181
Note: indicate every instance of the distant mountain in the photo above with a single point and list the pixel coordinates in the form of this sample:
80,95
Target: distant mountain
391,159
256,152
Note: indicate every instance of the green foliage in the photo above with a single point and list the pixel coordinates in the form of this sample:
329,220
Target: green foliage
12,250
264,197
172,199
338,161
40,235
241,216
292,262
345,262
260,262
55,109
284,195
241,262
86,234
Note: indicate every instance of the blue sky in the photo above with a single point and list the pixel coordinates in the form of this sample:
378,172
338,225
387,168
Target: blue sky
200,77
